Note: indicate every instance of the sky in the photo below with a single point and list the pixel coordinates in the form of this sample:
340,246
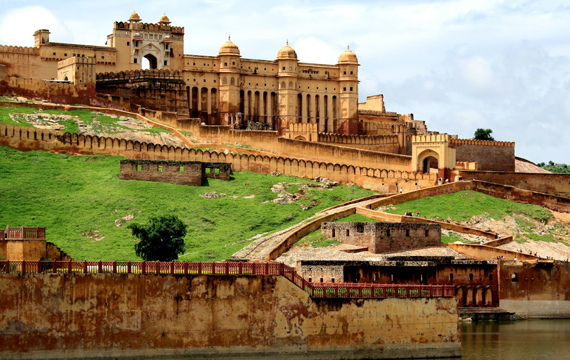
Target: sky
459,65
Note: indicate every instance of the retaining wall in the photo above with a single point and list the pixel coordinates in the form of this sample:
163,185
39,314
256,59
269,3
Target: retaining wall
134,316
546,183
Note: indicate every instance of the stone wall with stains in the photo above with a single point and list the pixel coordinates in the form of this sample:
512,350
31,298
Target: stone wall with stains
535,290
129,315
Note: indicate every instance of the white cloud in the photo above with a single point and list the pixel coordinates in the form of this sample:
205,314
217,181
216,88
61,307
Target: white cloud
17,26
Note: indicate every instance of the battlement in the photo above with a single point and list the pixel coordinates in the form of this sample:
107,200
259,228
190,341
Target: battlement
431,138
359,139
149,26
140,74
19,50
481,142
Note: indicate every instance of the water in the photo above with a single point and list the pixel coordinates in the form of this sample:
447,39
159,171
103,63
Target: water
518,340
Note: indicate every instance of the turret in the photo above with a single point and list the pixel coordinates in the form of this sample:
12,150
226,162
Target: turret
348,67
287,79
41,37
229,59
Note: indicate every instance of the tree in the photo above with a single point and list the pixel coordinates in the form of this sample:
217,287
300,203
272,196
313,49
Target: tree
484,134
161,239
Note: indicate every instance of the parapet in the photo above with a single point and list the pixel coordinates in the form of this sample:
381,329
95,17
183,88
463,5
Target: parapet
140,75
431,138
481,142
148,26
19,49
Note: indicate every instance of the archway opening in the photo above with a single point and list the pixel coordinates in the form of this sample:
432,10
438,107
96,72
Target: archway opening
430,165
149,62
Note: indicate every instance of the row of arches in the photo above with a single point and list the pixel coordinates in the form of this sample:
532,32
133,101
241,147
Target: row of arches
474,296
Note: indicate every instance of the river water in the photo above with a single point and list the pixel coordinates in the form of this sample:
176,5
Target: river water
517,340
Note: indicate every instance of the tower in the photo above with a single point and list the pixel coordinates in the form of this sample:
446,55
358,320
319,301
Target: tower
41,37
229,59
287,80
348,68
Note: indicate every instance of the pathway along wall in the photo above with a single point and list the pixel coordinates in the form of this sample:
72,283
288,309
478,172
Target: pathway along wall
25,138
119,315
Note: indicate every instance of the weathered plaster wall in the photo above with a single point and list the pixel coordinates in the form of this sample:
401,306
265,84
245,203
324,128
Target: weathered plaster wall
384,237
489,155
535,289
77,316
547,183
25,249
175,172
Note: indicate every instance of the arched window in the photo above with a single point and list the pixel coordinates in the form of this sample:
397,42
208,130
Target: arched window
283,85
225,81
232,81
290,85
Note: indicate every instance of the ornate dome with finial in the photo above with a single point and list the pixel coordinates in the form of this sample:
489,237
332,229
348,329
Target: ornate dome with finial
348,57
229,48
286,52
164,20
135,17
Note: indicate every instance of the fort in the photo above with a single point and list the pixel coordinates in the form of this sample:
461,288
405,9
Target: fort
292,118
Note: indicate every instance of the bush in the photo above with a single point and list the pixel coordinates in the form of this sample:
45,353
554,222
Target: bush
162,239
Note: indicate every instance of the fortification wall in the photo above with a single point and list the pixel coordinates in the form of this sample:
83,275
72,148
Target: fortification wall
379,143
489,155
26,62
535,290
62,93
270,141
384,237
546,183
136,316
24,138
175,172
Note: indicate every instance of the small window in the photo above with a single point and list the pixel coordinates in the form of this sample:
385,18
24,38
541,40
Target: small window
427,232
345,73
207,171
347,232
351,73
233,63
165,46
217,171
407,232
160,169
53,54
102,57
351,88
450,277
290,68
135,60
490,277
225,64
515,277
470,277
359,227
65,54
139,167
136,44
182,169
165,62
128,43
376,277
310,279
332,279
333,233
321,279
387,232
343,89
283,66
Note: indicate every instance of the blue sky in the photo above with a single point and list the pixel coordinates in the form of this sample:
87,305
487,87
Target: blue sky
458,65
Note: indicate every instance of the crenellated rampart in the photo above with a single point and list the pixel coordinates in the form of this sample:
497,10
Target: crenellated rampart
25,138
57,92
25,50
489,155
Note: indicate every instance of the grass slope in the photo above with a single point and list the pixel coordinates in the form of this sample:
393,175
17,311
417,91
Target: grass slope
101,123
463,205
78,199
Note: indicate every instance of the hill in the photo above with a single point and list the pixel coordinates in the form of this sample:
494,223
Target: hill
85,206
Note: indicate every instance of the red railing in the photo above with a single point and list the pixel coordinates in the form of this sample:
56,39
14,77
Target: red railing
25,233
315,290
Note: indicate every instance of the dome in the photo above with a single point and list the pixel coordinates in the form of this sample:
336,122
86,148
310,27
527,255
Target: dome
348,57
135,17
164,20
229,48
286,52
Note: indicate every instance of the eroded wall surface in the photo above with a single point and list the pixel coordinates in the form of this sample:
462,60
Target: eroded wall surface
120,315
535,290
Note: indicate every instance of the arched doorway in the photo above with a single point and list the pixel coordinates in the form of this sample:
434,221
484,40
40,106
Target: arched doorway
149,62
428,161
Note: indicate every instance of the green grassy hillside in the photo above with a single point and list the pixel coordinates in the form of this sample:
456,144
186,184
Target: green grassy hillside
79,198
463,205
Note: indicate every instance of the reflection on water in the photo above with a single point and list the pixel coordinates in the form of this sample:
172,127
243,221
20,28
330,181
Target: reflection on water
518,340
